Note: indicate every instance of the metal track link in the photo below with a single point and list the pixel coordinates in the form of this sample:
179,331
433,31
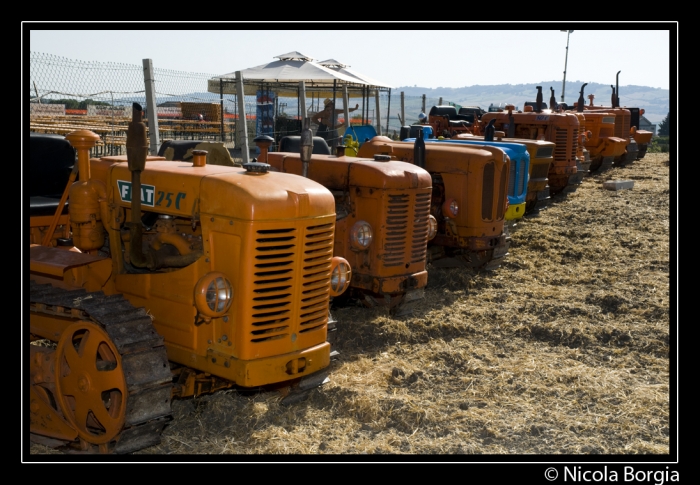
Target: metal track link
143,355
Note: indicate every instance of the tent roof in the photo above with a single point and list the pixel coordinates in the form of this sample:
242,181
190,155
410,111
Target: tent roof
345,69
283,76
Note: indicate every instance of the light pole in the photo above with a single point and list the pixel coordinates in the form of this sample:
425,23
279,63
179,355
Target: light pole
566,59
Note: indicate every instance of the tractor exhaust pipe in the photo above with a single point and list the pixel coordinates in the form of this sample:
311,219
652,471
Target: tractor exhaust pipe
136,152
490,130
617,90
538,106
419,150
579,105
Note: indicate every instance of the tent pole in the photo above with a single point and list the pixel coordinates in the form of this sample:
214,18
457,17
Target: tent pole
388,112
346,114
377,111
301,104
333,131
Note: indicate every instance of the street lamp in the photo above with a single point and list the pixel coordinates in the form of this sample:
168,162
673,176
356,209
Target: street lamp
566,58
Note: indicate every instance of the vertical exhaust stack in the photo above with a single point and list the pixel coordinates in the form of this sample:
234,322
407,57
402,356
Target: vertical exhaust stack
580,102
612,97
136,152
552,100
511,123
538,106
617,90
490,130
419,150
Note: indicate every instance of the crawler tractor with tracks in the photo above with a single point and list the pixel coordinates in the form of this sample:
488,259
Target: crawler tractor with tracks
176,279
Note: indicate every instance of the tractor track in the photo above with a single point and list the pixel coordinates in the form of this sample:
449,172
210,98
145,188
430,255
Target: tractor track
143,360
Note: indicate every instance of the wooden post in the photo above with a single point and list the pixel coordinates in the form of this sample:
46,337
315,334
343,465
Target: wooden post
346,114
378,113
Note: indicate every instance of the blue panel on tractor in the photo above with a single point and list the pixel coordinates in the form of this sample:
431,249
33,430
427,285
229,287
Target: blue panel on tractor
361,133
519,164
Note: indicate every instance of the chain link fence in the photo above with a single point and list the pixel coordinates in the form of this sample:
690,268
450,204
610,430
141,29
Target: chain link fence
67,94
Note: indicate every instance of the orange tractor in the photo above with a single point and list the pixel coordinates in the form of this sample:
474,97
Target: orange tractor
626,126
176,279
537,123
598,135
541,158
469,198
383,221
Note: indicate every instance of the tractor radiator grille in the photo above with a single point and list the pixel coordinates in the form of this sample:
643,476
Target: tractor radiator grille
516,178
502,195
316,270
566,144
407,228
278,264
622,124
540,171
487,191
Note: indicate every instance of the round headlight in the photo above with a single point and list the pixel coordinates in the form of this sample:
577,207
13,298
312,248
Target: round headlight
450,208
432,227
360,235
340,275
213,294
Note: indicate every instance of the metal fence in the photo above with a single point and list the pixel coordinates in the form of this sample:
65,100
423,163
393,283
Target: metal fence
68,94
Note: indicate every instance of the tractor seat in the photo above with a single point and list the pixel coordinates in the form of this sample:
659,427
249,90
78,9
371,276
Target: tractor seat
292,144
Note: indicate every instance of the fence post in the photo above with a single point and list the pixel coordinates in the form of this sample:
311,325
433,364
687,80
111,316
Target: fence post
346,109
223,113
378,113
388,113
152,109
245,151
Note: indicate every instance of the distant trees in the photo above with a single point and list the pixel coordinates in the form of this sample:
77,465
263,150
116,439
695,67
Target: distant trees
663,129
74,104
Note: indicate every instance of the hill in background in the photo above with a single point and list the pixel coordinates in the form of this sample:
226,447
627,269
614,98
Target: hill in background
655,101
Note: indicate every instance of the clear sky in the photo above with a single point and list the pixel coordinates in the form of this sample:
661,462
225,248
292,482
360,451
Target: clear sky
398,54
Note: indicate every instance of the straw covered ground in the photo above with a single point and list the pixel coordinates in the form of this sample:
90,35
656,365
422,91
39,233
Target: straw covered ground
564,349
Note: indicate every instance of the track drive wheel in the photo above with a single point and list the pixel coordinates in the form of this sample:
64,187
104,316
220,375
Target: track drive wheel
91,386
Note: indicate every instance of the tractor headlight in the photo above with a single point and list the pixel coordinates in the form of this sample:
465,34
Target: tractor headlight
213,294
450,208
340,275
432,227
361,235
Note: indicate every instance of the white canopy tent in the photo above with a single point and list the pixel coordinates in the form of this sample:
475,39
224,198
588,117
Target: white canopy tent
285,74
289,72
344,69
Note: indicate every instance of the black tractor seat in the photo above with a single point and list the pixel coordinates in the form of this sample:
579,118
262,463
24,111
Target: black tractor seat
51,160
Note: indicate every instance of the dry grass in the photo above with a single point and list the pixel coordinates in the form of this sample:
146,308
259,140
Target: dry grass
565,349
